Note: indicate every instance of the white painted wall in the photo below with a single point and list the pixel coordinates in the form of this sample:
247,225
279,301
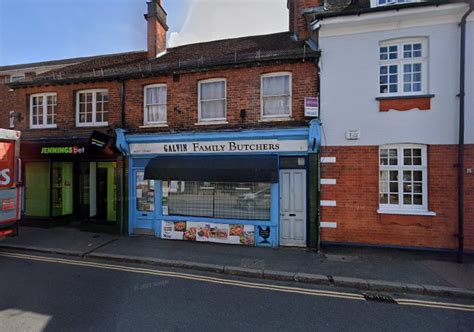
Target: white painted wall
349,81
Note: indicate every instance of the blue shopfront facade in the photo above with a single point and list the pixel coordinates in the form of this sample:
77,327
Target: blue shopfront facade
248,187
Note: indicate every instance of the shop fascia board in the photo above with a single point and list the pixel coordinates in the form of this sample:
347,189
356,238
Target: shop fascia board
293,133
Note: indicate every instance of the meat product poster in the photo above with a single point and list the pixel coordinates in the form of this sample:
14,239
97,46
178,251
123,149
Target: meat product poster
208,232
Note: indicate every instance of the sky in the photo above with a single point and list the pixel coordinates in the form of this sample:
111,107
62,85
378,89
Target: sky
40,30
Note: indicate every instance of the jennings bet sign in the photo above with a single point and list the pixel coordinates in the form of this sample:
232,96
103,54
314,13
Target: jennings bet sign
238,146
62,150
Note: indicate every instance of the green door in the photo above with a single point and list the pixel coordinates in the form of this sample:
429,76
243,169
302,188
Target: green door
37,189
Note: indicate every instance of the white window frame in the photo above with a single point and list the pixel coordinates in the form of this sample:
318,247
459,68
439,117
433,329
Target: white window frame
212,80
94,123
400,61
44,108
276,116
145,113
400,167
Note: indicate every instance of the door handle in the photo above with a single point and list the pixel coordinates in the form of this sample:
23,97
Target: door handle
292,215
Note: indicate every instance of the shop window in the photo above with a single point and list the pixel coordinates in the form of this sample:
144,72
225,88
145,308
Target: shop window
403,177
403,67
43,110
145,192
276,95
92,108
155,104
223,200
212,100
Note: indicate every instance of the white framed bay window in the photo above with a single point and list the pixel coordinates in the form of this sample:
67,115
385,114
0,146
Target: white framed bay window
403,67
43,110
92,108
276,95
212,100
155,104
403,179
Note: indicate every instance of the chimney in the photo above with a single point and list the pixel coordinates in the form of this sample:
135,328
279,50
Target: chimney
157,27
297,21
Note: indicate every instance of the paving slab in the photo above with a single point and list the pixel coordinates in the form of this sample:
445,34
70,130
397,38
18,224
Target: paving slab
66,240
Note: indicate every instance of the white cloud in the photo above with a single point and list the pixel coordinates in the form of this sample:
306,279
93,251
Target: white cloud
219,19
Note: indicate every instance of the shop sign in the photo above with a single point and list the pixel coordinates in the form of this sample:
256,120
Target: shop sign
62,150
99,140
311,107
208,232
244,146
7,164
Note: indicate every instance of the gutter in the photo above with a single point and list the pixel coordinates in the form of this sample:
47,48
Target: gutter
462,94
136,74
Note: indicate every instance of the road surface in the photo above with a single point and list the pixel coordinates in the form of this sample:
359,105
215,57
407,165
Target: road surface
47,293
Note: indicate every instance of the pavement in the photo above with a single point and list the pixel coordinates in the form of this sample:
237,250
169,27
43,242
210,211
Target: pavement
367,269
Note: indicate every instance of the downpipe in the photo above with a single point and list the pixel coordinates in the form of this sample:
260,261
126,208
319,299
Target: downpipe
462,93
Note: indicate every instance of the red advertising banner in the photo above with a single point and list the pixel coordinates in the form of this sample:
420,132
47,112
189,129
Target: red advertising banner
7,164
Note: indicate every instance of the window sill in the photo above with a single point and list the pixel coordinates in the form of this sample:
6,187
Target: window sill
210,123
44,127
407,212
404,103
421,96
276,119
88,125
155,125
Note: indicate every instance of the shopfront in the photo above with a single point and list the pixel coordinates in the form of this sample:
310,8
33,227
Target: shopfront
67,181
248,187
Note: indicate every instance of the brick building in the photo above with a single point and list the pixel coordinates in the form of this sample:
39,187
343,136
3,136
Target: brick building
244,96
215,145
391,171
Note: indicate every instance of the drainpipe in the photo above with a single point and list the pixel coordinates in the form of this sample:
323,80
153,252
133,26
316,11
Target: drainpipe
462,78
123,175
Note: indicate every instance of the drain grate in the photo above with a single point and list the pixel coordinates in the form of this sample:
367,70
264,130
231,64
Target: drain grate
379,298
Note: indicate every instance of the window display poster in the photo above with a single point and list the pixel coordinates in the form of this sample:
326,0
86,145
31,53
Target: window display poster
208,232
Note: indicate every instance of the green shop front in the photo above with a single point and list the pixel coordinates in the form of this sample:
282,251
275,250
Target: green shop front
70,181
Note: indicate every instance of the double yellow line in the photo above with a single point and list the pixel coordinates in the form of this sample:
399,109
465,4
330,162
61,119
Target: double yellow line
228,282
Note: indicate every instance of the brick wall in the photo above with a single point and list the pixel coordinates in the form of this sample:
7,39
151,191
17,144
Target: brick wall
356,194
8,102
297,21
19,101
243,93
469,199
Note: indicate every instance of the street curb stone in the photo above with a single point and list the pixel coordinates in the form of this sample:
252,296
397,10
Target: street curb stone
346,282
278,275
43,250
243,271
386,286
350,282
312,278
161,262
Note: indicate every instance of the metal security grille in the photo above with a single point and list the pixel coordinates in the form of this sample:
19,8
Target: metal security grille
248,201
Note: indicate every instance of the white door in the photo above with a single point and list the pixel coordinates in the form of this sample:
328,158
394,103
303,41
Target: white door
293,207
